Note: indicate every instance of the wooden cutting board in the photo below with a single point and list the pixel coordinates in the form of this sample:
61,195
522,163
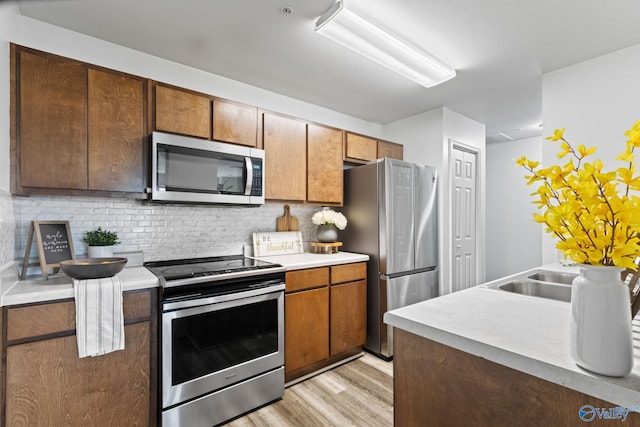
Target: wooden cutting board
287,222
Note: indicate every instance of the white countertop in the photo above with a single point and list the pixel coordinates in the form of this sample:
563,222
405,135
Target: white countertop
311,260
60,286
526,333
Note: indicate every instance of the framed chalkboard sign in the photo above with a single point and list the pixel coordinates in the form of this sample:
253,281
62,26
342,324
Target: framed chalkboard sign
54,242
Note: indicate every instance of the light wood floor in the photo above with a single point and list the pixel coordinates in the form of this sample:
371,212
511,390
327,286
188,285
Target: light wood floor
359,393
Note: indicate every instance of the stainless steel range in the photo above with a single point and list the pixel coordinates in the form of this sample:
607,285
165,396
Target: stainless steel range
222,337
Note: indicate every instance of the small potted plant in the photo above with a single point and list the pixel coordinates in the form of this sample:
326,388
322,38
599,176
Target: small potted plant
100,242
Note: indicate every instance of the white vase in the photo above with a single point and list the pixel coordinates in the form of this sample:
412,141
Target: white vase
100,251
600,335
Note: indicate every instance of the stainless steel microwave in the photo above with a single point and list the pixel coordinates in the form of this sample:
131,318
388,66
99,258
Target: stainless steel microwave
192,170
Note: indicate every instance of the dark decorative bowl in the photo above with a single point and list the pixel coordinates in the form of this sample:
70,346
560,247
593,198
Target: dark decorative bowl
92,268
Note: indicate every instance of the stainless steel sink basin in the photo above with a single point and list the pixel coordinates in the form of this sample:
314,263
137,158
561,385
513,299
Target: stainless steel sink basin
538,283
536,288
553,277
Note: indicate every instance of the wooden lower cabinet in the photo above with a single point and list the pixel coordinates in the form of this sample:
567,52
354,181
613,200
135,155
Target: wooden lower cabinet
307,328
47,384
437,385
325,317
348,316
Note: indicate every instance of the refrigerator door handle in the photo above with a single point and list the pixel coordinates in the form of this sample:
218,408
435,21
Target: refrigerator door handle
405,273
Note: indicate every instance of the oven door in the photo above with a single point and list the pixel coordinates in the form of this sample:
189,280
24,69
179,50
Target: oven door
218,341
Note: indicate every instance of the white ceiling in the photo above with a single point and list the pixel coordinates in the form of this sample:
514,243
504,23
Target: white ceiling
500,48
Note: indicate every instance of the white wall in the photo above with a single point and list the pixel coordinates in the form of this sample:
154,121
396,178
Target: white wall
428,138
596,101
514,240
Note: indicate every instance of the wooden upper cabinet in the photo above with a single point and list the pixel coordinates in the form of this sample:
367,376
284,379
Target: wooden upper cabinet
235,123
52,122
324,165
285,146
77,128
390,150
360,147
181,111
116,132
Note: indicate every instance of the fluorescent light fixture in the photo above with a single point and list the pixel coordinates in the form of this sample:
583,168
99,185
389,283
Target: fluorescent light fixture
350,30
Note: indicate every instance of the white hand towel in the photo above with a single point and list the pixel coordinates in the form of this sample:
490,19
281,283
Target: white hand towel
99,317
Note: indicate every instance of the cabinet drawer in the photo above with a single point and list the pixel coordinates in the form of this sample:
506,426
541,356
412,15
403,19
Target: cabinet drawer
56,317
306,279
348,272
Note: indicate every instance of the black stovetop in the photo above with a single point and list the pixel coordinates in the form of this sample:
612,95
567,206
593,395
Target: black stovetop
178,269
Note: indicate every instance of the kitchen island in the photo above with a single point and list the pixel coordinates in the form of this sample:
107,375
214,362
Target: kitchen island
484,356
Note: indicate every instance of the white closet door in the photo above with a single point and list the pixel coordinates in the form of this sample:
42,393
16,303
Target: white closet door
464,220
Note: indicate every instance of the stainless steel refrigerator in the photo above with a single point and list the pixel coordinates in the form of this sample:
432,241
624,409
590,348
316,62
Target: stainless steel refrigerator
391,208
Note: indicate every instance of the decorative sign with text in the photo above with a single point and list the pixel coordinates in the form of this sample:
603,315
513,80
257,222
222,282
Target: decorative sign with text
277,243
54,242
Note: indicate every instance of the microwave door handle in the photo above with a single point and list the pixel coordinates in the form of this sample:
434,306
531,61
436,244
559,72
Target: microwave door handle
249,167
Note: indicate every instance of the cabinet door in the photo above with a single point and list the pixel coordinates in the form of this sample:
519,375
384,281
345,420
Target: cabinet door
116,132
235,123
390,150
324,165
285,145
183,112
360,147
306,328
52,122
348,316
48,385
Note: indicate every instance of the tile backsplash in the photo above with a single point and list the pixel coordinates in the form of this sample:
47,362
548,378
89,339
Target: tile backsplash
159,231
7,229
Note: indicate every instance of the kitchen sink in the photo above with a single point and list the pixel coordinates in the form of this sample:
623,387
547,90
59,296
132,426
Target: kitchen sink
554,277
538,289
540,283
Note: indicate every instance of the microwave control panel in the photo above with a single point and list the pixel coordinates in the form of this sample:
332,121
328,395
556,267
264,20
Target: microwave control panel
256,184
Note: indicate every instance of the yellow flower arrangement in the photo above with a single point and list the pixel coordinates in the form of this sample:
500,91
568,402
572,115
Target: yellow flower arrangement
594,222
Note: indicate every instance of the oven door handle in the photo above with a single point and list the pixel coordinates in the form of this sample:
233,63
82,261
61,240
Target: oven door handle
191,303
